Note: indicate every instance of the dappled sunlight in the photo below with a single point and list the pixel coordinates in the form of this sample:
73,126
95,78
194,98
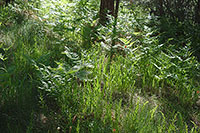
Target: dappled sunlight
66,66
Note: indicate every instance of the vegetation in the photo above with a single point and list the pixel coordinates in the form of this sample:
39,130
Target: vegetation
61,70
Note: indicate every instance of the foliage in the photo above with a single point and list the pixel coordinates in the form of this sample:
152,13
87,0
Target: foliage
177,9
57,73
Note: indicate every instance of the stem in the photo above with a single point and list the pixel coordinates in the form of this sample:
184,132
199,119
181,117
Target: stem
114,29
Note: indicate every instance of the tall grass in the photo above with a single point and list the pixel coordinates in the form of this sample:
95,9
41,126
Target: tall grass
52,82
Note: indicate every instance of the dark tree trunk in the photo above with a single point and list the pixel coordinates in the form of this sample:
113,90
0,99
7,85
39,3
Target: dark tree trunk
8,1
106,7
116,8
197,12
160,8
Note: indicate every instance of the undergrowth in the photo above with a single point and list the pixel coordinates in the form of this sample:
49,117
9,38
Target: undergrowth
57,73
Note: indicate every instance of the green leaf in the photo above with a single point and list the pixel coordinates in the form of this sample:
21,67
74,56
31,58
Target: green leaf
125,41
137,33
2,57
153,111
71,55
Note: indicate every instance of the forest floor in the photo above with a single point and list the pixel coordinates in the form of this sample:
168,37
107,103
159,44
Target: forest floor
60,73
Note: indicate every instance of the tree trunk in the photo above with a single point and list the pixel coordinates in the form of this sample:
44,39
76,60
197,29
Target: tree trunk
106,7
161,10
116,8
197,12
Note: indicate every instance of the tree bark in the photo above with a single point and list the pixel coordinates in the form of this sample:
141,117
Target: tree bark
161,10
116,8
106,8
197,12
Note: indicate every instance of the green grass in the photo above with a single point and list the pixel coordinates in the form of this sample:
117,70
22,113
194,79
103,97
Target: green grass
50,81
